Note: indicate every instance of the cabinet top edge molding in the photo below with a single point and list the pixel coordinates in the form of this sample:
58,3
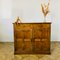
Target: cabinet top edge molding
34,23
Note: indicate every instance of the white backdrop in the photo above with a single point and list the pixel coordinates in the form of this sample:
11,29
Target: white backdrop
28,11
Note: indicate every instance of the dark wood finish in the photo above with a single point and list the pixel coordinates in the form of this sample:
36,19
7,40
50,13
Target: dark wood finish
32,38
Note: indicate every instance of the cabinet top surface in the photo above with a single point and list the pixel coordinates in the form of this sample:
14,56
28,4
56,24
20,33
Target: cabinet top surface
34,23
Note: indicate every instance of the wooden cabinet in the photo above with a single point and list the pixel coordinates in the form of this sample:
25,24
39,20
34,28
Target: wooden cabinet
32,38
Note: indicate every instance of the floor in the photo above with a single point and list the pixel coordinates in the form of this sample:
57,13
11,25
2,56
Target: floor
7,53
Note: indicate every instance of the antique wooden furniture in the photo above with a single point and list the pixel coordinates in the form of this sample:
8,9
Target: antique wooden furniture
32,38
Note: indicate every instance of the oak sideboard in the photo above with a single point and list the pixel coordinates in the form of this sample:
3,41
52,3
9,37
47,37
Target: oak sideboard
32,38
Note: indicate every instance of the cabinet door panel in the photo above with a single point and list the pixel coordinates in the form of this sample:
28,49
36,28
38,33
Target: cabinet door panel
19,44
45,44
27,34
37,34
38,44
19,34
27,45
37,26
45,34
